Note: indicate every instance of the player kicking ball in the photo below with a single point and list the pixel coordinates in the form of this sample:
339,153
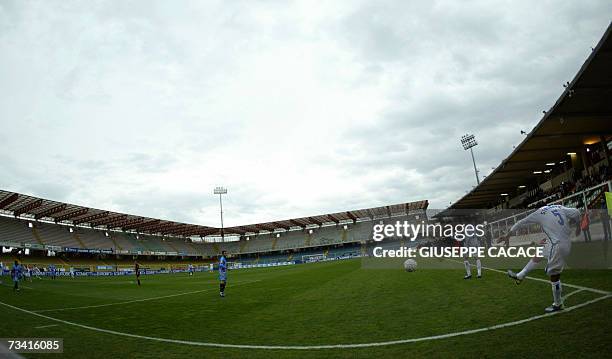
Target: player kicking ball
556,222
222,274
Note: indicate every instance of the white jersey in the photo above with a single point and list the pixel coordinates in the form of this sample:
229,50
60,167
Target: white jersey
554,221
473,241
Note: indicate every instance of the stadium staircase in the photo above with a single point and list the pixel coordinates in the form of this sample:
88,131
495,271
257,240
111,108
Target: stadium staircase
169,243
216,248
274,243
37,236
307,240
146,245
344,235
243,246
117,246
62,261
78,239
195,249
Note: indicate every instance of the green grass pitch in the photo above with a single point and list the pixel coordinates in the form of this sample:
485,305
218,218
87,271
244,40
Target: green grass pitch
329,303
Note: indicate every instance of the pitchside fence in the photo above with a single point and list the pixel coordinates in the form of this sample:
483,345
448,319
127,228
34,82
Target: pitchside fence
589,200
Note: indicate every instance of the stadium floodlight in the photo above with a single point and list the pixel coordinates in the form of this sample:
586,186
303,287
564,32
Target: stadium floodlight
469,141
221,191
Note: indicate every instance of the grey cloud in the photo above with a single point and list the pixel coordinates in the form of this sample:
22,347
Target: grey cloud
144,106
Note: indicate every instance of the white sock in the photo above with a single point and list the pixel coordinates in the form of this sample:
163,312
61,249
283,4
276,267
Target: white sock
528,268
479,267
557,289
468,270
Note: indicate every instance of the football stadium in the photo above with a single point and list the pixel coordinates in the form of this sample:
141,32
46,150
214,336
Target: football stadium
386,280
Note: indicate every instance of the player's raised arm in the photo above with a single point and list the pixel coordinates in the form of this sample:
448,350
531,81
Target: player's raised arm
532,218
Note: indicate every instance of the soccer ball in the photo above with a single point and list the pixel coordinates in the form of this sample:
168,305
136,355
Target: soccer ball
410,265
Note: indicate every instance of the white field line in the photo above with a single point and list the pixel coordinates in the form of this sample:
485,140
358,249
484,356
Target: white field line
20,286
570,294
121,279
313,347
46,326
594,290
135,300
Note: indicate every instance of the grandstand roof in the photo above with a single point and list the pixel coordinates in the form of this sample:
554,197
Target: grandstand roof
37,208
581,116
332,218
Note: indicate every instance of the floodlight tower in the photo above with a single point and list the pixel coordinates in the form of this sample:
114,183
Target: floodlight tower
469,141
221,191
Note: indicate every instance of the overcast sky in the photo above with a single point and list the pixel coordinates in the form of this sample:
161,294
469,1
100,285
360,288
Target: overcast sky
299,108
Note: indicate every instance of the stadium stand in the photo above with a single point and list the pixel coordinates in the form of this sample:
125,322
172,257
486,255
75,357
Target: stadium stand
16,231
83,241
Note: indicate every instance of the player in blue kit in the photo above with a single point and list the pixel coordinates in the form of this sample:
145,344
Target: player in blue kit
16,273
222,274
53,270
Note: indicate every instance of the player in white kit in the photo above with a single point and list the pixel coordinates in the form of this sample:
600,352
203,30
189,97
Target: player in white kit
468,242
556,222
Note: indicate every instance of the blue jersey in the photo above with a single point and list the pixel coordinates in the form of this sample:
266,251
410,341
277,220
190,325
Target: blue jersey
16,272
222,268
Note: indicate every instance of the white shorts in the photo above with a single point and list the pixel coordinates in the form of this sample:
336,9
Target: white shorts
555,256
471,242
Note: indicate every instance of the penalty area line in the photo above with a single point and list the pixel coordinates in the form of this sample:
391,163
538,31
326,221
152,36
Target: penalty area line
46,326
312,347
572,293
135,300
593,290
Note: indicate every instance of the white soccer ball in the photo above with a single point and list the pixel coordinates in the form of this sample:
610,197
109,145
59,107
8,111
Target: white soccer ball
410,265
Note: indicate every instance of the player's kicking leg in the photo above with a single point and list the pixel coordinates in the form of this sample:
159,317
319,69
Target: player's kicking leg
531,265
